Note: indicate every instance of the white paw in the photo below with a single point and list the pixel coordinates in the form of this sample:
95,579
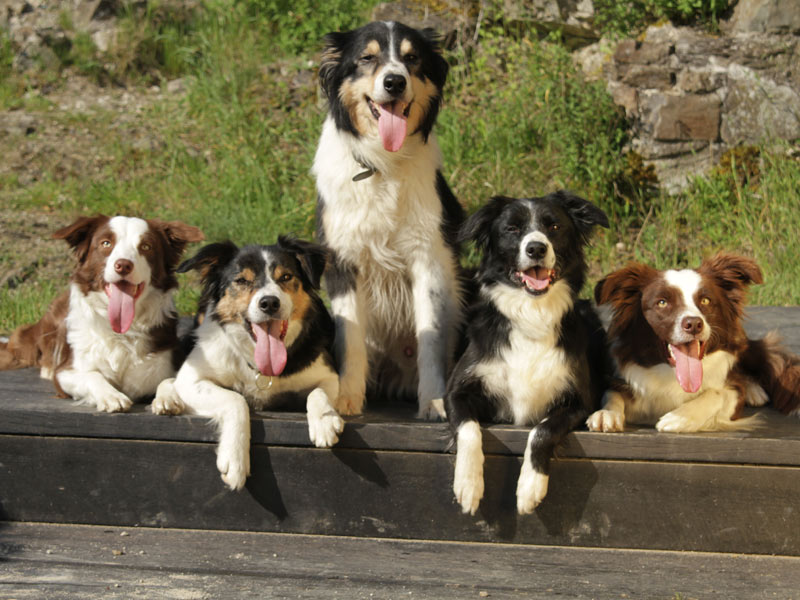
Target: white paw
112,401
468,485
606,420
531,489
167,401
755,395
324,429
432,410
673,422
234,467
350,404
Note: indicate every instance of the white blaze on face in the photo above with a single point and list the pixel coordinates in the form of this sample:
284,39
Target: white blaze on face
524,261
269,330
685,347
392,109
124,288
688,282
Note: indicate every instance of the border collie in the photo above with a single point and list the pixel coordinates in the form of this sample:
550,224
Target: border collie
681,352
111,338
265,336
387,215
535,353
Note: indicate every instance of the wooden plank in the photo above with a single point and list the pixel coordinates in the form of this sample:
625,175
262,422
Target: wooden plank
68,561
26,409
624,504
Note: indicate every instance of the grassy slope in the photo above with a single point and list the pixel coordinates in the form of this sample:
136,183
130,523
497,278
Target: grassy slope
517,120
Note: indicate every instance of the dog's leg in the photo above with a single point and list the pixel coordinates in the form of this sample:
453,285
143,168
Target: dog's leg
709,411
167,400
92,388
468,478
232,415
347,306
436,313
534,476
612,415
324,423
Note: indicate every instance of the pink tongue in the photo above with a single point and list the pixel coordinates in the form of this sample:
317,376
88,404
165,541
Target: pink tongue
121,305
688,366
392,125
270,353
538,277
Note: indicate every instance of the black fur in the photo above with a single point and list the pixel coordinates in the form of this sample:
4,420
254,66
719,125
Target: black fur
498,230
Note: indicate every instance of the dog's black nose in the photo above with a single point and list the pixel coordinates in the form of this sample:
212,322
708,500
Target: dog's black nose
394,84
693,325
536,249
269,304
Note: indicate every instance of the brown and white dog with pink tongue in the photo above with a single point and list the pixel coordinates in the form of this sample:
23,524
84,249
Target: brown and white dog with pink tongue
683,359
111,338
265,339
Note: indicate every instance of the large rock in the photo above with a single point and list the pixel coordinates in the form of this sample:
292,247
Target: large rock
691,95
765,16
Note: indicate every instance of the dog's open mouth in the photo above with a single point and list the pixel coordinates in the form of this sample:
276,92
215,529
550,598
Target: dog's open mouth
688,362
537,280
392,122
270,350
122,297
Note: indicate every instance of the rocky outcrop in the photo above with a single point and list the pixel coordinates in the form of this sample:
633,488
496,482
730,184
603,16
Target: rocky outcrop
692,95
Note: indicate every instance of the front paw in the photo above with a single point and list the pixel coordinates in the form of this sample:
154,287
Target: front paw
350,404
755,395
112,401
234,467
674,422
432,410
324,429
606,420
167,401
531,489
468,487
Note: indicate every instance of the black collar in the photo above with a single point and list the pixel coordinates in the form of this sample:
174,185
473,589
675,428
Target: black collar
367,173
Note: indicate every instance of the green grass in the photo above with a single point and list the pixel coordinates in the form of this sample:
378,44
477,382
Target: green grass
235,152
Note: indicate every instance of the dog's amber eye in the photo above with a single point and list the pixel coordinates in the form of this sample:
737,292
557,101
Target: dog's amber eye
553,227
661,303
704,301
145,247
285,277
105,244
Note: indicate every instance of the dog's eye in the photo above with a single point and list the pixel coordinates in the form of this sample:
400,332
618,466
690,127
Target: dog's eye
411,58
105,244
145,247
512,229
285,277
661,303
553,227
705,301
241,281
367,58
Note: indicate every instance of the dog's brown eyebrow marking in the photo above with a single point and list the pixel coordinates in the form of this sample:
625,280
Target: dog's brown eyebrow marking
406,47
248,274
373,47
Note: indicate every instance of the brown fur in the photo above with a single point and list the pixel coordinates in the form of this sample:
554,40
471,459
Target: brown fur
301,301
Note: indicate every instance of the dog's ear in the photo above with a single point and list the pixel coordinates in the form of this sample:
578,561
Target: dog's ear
210,259
436,66
312,257
79,234
478,227
330,61
623,288
583,213
178,235
732,273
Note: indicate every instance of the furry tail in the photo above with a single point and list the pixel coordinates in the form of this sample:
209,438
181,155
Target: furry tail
20,351
776,369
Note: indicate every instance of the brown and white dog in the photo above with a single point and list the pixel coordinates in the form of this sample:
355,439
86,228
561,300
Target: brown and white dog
681,352
111,338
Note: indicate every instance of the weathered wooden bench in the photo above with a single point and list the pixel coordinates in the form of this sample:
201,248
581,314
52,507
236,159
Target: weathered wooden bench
377,514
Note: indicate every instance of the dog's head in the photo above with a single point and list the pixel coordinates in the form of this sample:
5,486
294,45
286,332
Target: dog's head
126,258
678,316
383,80
266,290
532,243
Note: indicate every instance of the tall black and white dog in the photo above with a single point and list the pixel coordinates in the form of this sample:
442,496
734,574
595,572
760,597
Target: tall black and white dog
387,215
535,353
265,334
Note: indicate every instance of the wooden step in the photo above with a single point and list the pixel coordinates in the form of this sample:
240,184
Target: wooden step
390,476
79,561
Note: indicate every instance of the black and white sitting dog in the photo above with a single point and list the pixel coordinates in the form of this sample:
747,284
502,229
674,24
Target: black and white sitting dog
387,215
535,353
265,333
